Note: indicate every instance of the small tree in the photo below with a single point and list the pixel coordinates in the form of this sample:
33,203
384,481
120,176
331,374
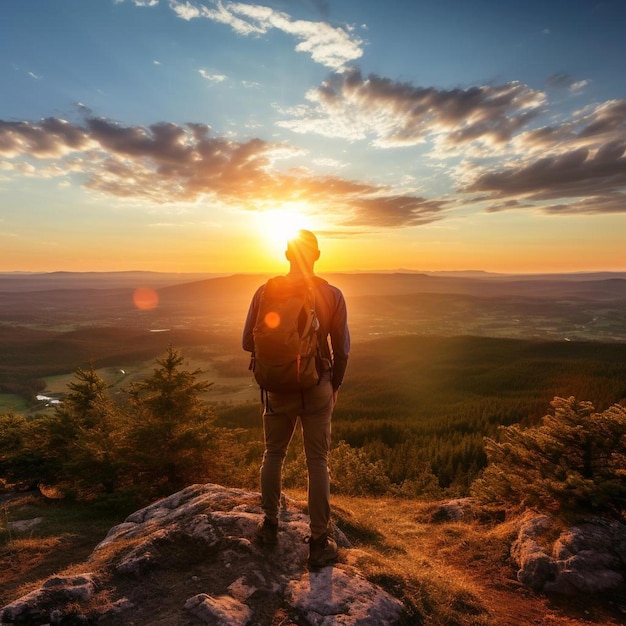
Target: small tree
172,436
85,435
354,474
574,461
21,461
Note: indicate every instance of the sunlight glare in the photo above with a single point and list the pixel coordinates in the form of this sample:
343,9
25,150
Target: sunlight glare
272,319
280,225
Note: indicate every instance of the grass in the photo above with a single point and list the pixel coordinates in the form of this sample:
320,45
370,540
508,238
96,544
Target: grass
447,573
12,402
66,534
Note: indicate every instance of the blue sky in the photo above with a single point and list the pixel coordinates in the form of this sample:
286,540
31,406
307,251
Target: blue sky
189,136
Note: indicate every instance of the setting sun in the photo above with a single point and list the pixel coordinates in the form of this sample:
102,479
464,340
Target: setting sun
280,225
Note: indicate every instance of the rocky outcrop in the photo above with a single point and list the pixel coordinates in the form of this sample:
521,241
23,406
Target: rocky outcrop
192,559
587,558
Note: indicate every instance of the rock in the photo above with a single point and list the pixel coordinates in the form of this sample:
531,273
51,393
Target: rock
194,556
454,510
25,525
334,597
586,558
224,610
41,606
536,568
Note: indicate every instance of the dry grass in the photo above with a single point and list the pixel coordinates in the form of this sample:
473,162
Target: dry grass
447,573
453,573
65,537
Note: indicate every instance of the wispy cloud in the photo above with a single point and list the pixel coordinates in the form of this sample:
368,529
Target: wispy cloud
331,46
167,162
211,77
392,114
565,81
139,3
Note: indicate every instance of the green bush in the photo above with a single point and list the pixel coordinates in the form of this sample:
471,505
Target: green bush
573,462
353,474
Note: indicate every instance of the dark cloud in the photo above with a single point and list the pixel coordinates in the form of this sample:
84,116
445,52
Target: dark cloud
610,203
395,211
583,159
166,162
51,137
573,174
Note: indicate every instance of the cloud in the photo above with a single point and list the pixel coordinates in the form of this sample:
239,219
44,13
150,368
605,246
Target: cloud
394,211
330,46
392,114
168,163
140,3
582,162
565,81
574,174
213,78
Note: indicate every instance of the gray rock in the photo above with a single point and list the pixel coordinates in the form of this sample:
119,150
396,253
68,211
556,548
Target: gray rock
334,597
24,525
454,510
204,539
586,558
220,611
40,606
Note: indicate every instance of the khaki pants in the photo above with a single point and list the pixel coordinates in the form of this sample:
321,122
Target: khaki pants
314,407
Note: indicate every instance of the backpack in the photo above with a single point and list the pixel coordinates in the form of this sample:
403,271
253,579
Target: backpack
286,341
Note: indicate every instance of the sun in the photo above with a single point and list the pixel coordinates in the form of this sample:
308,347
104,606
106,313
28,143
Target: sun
278,226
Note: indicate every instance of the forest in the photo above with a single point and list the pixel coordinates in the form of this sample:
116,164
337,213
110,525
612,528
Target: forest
428,402
438,365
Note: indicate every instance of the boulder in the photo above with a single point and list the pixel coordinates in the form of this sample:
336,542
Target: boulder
587,558
193,558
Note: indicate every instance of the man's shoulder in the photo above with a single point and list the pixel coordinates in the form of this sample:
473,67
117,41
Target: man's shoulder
331,290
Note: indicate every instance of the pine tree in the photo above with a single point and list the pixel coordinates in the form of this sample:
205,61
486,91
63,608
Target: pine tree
574,461
172,435
84,437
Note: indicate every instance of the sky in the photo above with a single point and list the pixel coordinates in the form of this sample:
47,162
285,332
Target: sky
429,135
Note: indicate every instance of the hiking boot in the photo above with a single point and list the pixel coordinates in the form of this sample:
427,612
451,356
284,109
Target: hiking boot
267,532
322,551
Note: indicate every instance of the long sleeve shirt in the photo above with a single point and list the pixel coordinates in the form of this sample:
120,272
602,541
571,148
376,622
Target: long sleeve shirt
330,308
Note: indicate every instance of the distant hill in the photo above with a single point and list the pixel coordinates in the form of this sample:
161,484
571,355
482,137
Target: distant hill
380,284
24,281
567,307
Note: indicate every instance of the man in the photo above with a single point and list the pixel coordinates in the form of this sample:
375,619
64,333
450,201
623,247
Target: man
313,405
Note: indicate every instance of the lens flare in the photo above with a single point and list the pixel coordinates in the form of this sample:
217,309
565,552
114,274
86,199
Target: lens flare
145,299
272,319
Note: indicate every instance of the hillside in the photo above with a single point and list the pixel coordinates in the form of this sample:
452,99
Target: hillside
446,572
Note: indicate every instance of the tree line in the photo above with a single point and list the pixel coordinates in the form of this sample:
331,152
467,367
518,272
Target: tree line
391,437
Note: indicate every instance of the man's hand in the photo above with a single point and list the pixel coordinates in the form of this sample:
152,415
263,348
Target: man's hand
335,394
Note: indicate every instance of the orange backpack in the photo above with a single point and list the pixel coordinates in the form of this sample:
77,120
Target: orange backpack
286,342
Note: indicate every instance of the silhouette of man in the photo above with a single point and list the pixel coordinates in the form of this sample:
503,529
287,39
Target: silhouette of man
313,406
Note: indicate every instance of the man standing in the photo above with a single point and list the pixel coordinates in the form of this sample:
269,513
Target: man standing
313,404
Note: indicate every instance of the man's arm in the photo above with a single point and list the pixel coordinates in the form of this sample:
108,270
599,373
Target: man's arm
247,340
340,341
